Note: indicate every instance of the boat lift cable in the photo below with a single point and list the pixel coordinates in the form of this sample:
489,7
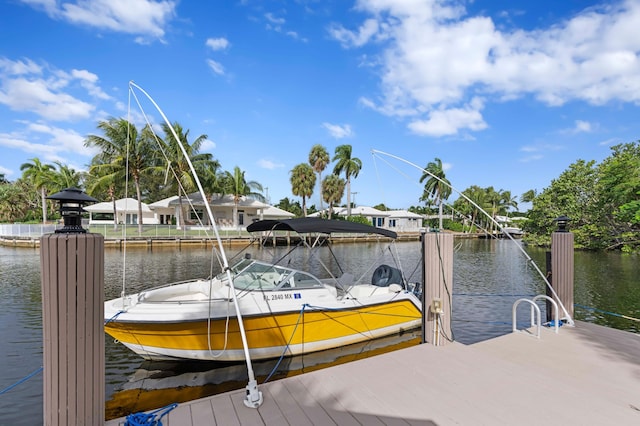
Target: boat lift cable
566,317
253,397
214,253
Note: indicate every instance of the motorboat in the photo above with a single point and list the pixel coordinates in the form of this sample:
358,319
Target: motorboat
513,231
285,310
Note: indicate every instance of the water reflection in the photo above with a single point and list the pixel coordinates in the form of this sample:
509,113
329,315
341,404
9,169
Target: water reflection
156,384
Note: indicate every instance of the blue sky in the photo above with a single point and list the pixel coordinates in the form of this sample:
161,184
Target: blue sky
507,94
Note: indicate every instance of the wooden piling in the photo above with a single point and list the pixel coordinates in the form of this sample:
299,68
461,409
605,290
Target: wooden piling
563,268
438,286
72,276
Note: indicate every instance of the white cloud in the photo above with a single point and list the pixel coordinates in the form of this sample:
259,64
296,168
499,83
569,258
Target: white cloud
146,18
445,122
354,38
207,146
269,165
582,126
215,66
19,67
6,172
63,140
35,96
612,141
338,131
274,19
48,92
217,43
435,57
536,152
16,141
530,158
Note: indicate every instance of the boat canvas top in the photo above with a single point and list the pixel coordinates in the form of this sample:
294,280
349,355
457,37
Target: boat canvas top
308,225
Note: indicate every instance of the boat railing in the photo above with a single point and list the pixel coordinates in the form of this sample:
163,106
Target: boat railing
535,313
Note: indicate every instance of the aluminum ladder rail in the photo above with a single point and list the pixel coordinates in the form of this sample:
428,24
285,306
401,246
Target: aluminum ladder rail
535,313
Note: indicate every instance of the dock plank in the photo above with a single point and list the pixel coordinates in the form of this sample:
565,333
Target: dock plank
287,404
202,413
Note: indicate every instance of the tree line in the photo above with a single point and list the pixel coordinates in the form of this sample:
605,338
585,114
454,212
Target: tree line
602,200
129,161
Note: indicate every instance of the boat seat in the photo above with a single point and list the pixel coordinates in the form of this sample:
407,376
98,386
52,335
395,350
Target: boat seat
365,290
345,281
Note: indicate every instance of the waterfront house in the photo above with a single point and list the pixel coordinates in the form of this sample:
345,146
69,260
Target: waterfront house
394,220
167,211
126,211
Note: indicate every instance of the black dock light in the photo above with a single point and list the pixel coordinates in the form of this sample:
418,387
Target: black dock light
71,202
562,222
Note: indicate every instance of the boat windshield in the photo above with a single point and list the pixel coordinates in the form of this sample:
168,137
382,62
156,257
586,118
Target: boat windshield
255,275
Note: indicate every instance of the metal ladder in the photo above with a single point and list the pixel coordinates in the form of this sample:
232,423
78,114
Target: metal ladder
535,319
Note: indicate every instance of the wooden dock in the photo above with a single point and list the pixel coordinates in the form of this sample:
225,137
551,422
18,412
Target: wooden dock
585,375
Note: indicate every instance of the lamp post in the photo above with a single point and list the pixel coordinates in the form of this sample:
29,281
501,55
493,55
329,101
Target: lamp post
72,276
562,222
71,202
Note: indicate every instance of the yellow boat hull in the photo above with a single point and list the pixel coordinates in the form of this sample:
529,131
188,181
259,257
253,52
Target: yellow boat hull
268,335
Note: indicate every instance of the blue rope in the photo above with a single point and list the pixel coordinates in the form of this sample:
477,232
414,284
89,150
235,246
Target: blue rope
275,368
24,379
493,295
113,317
606,312
149,419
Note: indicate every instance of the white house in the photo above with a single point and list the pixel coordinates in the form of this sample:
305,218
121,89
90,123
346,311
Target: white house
378,218
404,221
274,213
222,208
126,210
167,211
394,220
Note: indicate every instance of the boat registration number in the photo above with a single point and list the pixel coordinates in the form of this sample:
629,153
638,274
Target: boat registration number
282,296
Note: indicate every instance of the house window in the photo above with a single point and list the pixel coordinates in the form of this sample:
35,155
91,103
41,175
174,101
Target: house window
131,219
101,216
380,221
240,217
196,215
392,223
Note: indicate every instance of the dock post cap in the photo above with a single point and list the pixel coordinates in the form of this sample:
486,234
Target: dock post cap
71,202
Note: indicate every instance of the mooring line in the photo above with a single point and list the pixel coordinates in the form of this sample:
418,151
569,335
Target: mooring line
24,379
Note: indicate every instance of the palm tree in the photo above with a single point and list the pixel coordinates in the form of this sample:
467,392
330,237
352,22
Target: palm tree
40,175
204,164
303,179
528,196
12,201
332,190
3,179
290,206
319,158
507,202
436,186
103,178
350,166
66,177
492,203
125,148
236,185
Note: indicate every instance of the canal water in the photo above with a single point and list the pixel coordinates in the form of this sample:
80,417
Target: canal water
489,276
